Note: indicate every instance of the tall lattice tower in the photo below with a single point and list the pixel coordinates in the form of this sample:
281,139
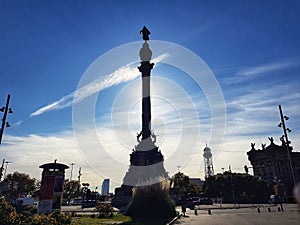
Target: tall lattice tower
208,163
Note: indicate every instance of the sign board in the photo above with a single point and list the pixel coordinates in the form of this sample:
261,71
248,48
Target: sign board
48,187
45,206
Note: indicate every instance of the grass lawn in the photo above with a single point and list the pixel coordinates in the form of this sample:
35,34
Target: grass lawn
87,220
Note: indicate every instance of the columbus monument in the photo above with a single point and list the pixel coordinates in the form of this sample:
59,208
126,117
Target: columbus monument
146,175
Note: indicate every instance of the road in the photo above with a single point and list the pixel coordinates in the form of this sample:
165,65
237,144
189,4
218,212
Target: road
243,216
78,209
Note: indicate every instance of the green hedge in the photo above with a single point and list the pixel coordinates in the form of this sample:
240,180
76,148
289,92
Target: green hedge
9,216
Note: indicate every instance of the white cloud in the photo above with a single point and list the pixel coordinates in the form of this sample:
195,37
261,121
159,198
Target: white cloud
251,117
18,123
266,68
29,152
248,121
121,75
251,72
254,116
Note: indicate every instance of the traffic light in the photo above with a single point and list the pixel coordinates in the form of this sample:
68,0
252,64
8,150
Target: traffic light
246,169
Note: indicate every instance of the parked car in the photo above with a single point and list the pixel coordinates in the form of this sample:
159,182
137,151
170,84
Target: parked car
89,203
25,201
76,201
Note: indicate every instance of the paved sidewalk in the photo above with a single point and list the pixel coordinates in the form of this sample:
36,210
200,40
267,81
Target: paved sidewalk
244,216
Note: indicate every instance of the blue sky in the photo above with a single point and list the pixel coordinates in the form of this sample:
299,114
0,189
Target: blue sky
252,48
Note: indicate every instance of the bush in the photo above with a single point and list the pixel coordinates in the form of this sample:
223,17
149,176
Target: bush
105,210
9,216
151,201
61,219
27,210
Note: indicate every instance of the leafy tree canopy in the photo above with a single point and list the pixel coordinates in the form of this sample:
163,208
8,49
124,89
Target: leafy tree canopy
71,189
181,185
20,185
237,187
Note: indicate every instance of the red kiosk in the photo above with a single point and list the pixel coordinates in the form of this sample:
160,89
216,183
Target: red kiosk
52,187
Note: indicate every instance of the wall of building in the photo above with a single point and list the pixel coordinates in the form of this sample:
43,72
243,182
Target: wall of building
272,163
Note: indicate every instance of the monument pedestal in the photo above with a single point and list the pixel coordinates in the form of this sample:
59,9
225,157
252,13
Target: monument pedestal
123,196
146,165
146,168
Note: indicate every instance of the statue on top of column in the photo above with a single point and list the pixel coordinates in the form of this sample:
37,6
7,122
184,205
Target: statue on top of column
145,33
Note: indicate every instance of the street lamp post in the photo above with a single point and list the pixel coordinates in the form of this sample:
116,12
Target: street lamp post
72,164
286,140
6,164
1,169
6,110
246,168
231,182
79,174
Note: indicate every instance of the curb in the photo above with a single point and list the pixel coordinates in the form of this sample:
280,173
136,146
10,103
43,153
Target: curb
174,219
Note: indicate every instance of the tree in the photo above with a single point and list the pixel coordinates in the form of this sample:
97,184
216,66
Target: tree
181,187
237,187
20,184
71,189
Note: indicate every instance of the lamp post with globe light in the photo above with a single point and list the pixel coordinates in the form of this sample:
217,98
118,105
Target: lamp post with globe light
5,110
4,124
285,140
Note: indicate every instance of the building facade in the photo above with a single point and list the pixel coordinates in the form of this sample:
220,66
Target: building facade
276,163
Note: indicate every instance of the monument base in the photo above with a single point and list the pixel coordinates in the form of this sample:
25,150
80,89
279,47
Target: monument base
146,169
123,196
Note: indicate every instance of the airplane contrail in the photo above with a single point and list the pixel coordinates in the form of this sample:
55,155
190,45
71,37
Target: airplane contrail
123,74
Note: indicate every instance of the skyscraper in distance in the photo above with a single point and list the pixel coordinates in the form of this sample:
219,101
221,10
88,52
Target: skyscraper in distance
105,187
